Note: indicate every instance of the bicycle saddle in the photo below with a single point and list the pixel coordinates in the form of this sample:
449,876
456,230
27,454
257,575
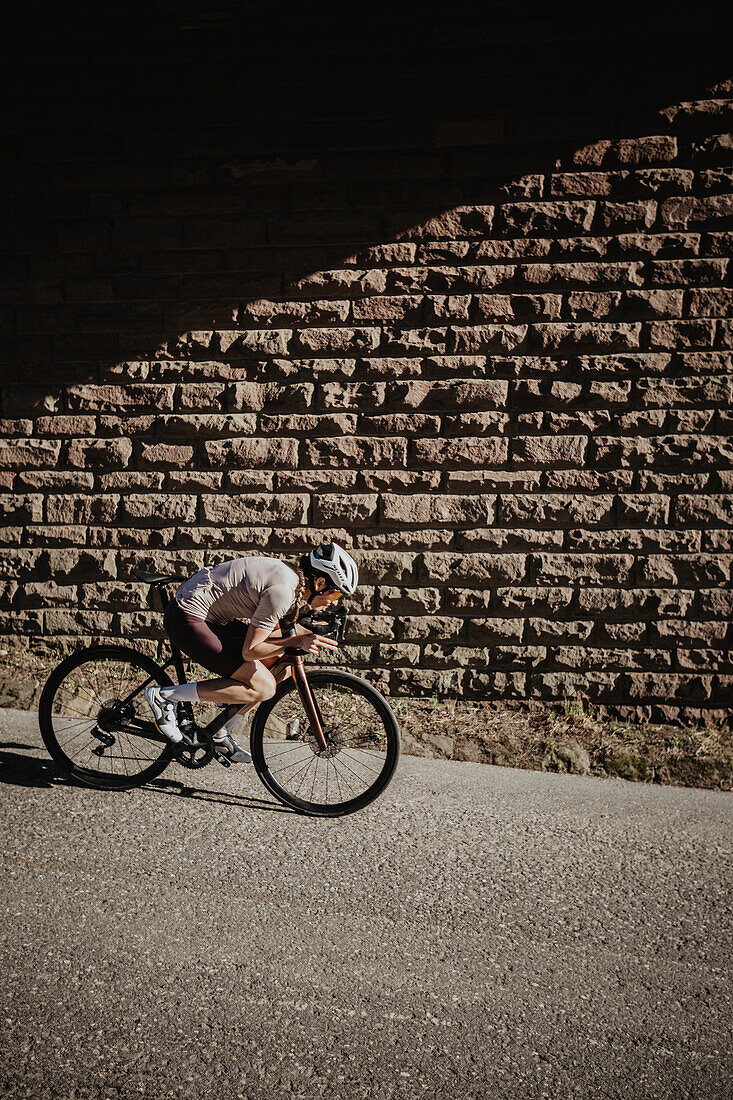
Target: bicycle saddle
156,578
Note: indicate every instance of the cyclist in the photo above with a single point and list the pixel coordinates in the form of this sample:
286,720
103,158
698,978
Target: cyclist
203,620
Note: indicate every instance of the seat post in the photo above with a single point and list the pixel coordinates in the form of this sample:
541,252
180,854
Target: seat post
163,593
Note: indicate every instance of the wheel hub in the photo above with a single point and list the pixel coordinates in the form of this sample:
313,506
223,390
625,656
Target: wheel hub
333,743
112,715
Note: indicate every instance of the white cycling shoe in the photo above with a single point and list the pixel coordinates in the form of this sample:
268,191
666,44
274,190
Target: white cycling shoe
228,747
164,714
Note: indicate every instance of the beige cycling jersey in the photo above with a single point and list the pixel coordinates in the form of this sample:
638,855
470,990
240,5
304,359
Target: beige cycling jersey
259,589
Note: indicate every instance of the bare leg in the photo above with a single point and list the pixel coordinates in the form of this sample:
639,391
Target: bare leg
250,684
280,674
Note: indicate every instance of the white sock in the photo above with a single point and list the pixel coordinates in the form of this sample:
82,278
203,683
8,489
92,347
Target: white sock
227,727
181,693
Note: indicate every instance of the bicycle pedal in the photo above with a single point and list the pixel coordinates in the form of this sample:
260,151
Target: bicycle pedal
222,759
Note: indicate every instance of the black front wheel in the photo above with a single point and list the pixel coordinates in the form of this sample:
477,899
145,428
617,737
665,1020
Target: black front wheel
96,723
363,745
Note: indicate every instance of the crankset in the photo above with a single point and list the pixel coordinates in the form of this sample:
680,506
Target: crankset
195,750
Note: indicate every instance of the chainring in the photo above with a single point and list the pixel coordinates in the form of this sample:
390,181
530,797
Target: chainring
194,752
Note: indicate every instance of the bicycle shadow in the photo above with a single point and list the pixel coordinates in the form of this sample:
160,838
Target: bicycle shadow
28,771
21,770
174,788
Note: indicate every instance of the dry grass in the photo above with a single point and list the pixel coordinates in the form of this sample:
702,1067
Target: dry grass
572,736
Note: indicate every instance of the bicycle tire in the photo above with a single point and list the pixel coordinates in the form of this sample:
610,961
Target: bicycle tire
319,679
88,777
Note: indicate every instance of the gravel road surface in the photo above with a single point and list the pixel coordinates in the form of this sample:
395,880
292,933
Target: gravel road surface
478,932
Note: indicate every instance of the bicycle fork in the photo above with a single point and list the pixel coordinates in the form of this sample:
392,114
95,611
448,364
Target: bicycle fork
310,705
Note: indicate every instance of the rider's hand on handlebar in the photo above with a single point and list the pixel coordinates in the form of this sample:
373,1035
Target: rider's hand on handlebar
312,642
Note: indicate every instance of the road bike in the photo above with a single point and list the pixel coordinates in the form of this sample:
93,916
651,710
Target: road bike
326,744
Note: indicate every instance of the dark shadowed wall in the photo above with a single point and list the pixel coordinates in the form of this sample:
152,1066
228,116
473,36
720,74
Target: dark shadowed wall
450,287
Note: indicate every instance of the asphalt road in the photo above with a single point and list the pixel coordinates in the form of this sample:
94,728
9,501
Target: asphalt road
478,932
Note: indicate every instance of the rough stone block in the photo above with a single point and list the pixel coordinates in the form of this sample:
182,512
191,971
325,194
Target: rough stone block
552,630
686,571
641,510
252,508
446,308
371,628
466,452
270,397
583,305
21,508
549,450
495,685
157,510
355,453
64,425
556,510
436,508
557,686
408,601
347,509
484,338
80,510
112,399
251,453
440,682
557,336
691,211
582,274
682,334
481,630
385,567
242,345
690,632
334,340
99,454
581,570
654,149
167,455
352,395
458,223
399,424
416,341
478,569
78,565
714,510
21,454
544,218
716,602
30,400
616,217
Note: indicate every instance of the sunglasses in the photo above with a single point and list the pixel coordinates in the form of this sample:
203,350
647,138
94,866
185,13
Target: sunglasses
330,592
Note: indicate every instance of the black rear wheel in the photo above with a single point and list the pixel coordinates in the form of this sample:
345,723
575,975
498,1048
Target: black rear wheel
96,723
361,757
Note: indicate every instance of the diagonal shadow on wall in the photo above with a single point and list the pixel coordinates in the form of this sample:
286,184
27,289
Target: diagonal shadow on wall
167,165
247,194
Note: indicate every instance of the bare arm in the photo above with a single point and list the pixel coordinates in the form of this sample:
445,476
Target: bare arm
258,644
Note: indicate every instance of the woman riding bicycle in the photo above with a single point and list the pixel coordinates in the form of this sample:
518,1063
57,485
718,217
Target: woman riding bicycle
204,621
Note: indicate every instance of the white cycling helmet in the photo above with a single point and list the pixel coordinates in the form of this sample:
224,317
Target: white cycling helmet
335,563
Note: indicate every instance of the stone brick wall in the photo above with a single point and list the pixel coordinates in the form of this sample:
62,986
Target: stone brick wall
475,328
